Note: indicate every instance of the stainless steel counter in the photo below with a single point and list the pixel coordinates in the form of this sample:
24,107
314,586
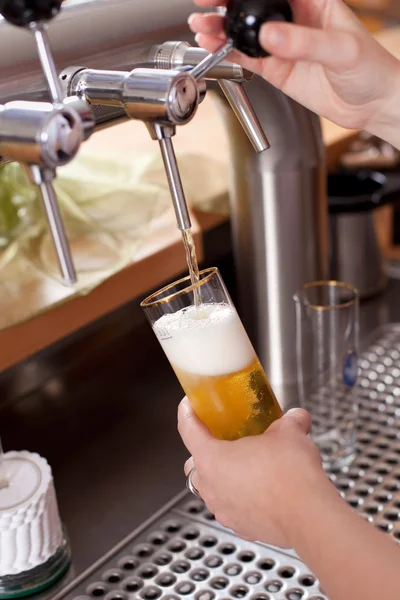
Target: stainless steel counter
101,407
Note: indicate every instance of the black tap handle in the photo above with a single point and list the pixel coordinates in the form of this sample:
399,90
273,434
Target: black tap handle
24,12
244,19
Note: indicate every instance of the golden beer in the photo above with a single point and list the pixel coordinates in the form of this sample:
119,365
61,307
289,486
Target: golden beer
218,369
233,405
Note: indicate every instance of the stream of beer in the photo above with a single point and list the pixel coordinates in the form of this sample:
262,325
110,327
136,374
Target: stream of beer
192,263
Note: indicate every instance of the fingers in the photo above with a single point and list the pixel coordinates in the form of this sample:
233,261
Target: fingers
296,418
299,418
195,435
212,43
333,49
209,24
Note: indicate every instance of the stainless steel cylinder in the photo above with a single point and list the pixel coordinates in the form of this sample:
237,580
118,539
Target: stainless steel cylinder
279,225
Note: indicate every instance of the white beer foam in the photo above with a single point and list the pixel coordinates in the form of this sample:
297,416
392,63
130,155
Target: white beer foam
215,344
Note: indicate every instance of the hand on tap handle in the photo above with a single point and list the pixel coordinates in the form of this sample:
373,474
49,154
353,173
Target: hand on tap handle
241,24
68,129
325,60
244,19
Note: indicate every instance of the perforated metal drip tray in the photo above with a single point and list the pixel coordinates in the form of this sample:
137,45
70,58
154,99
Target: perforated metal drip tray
177,557
184,553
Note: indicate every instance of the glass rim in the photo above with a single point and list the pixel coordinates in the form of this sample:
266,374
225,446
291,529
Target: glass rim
328,283
151,301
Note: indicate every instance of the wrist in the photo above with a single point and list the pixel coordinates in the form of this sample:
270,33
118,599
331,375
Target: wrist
310,506
385,123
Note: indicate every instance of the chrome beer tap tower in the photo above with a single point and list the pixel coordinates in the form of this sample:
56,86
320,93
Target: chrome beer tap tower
277,198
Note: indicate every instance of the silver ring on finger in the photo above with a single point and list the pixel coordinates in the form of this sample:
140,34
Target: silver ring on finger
189,483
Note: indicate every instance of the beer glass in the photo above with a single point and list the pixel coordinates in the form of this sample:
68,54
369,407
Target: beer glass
208,348
327,318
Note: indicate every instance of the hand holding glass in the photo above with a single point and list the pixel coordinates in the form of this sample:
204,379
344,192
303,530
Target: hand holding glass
212,356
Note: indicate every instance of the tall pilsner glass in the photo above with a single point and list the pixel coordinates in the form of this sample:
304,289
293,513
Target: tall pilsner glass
327,358
212,356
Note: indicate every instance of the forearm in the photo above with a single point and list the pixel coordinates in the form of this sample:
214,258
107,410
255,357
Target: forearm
350,557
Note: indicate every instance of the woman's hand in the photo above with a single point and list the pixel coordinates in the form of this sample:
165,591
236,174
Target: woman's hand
256,486
327,61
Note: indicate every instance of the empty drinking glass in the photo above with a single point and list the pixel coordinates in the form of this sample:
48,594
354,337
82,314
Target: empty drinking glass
327,318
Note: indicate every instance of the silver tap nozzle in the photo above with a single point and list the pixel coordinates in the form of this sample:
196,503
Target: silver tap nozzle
163,135
229,76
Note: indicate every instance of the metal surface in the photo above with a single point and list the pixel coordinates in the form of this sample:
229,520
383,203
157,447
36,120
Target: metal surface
210,62
279,224
279,209
46,60
58,232
111,390
175,54
43,137
178,556
184,552
124,33
164,96
237,97
174,178
356,256
39,133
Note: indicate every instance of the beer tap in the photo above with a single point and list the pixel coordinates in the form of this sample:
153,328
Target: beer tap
242,23
161,99
44,136
170,97
230,77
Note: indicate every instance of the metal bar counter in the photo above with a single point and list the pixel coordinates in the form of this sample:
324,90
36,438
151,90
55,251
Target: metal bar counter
101,407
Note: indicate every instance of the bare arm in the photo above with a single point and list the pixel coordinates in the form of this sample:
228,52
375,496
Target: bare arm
352,559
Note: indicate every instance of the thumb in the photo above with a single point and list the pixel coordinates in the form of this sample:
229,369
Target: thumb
296,418
331,48
193,432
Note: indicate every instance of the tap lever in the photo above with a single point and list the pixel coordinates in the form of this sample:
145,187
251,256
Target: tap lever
44,136
211,61
177,55
35,14
242,23
43,179
47,62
